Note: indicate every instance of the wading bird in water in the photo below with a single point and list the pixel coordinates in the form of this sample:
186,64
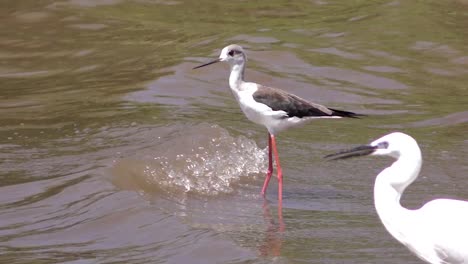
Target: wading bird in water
273,108
437,232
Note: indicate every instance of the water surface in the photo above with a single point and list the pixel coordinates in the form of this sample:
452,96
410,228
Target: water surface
114,150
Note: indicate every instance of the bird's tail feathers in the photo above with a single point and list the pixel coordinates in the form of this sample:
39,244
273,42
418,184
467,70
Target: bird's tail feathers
342,113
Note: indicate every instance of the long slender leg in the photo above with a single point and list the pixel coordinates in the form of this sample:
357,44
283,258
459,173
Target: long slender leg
270,166
279,171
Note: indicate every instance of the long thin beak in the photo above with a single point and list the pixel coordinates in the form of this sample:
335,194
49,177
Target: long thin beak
206,64
363,150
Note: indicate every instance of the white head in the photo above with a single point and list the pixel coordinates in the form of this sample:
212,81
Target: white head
232,54
396,145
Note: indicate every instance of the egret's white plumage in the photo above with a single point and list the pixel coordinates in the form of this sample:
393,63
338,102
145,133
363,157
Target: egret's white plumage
438,231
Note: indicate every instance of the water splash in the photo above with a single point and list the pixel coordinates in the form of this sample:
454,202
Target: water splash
202,159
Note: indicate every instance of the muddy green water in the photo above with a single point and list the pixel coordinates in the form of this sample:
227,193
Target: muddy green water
112,150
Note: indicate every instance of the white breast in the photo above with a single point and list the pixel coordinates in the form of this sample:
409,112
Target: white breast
255,112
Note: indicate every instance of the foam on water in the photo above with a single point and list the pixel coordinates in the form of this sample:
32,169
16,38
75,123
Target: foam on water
202,159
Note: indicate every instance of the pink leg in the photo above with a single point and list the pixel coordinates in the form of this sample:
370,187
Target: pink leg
270,166
279,171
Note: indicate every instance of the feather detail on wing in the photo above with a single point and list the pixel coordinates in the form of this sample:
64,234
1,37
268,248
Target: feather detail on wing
295,106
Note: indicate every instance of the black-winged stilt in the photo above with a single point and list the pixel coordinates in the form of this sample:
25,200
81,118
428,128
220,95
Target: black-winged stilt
273,108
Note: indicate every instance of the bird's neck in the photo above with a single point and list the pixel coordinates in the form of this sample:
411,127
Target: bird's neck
236,78
389,186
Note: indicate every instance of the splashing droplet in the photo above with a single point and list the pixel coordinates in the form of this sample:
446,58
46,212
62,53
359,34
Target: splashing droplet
203,159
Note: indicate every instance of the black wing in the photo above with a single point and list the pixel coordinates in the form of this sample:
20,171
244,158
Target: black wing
294,105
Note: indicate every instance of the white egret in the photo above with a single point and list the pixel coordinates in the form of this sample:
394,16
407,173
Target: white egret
438,231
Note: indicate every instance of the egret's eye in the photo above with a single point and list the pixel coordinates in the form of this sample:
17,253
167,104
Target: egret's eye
231,53
382,145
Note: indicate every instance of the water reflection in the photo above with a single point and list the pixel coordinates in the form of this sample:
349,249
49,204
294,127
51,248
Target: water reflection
274,233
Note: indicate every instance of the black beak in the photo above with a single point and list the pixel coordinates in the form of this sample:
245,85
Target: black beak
354,152
206,64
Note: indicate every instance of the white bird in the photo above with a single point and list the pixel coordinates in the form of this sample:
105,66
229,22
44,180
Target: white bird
273,108
436,232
